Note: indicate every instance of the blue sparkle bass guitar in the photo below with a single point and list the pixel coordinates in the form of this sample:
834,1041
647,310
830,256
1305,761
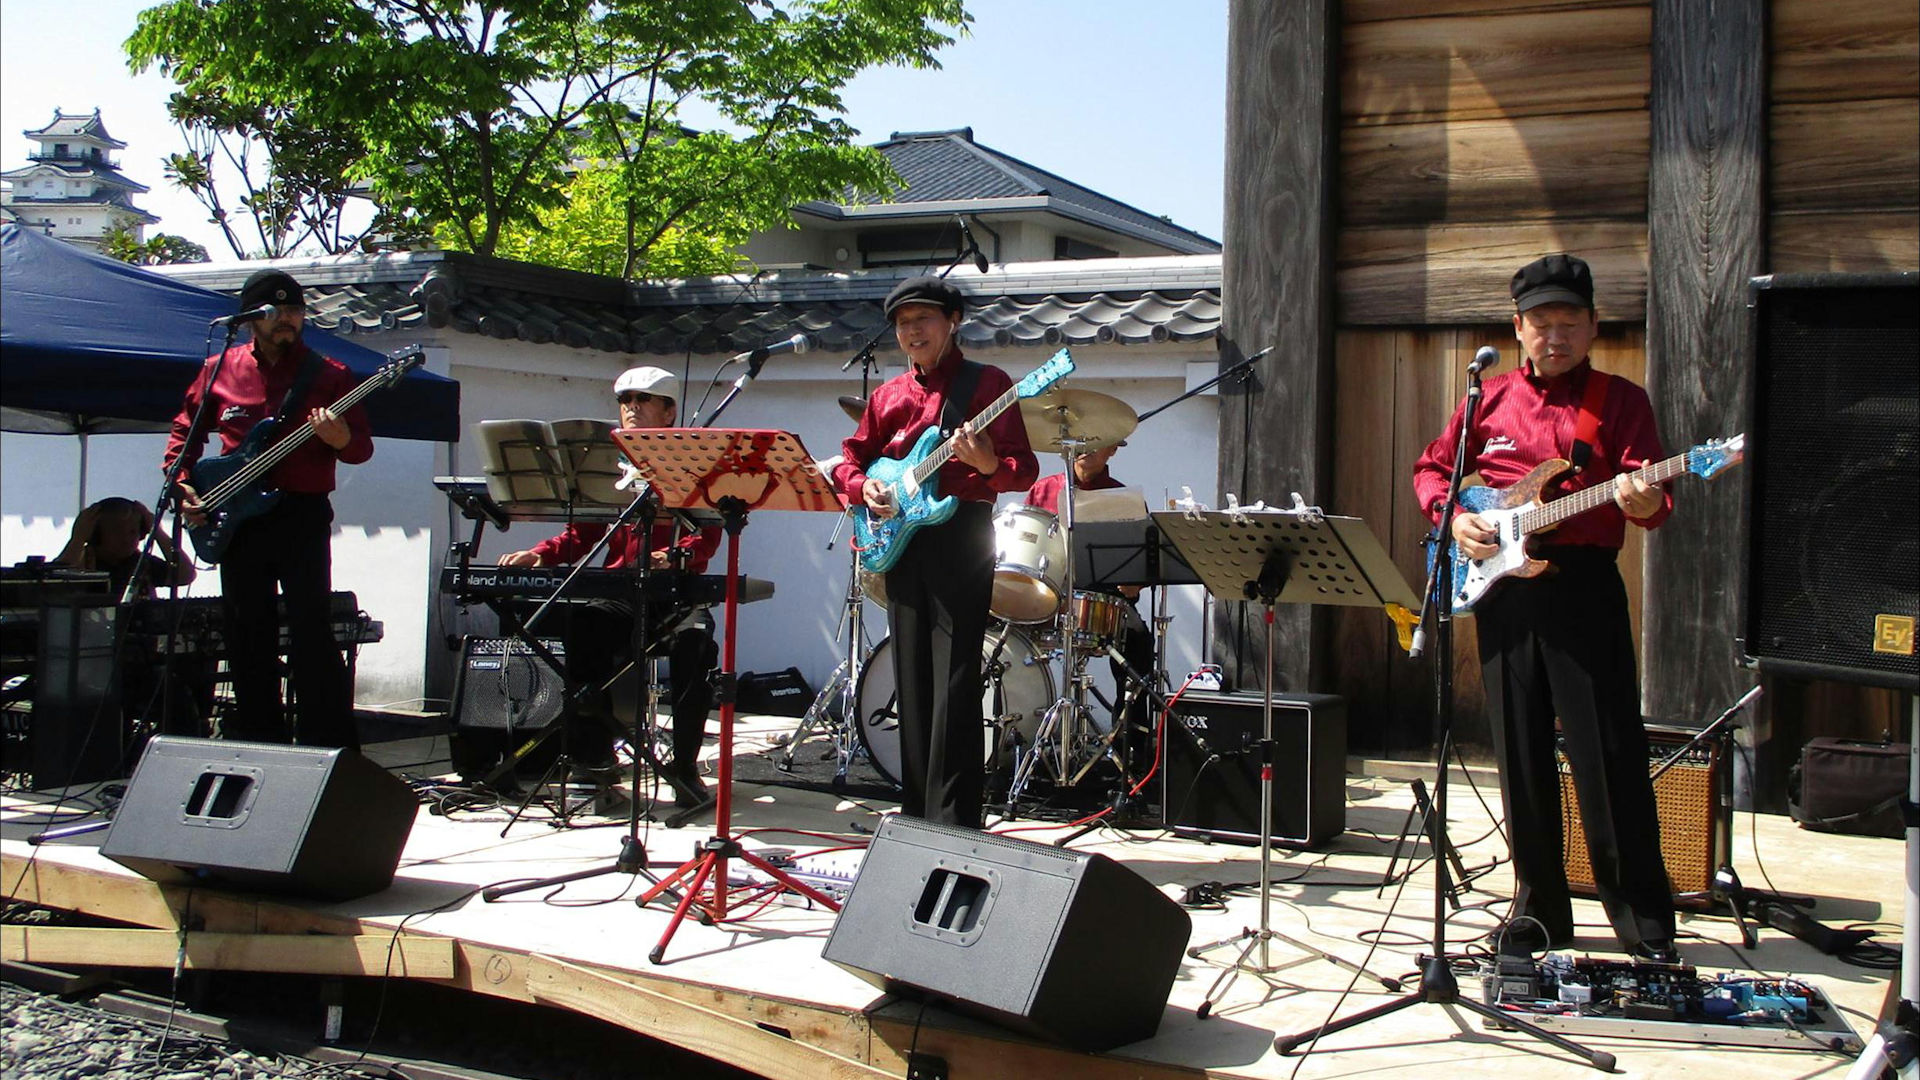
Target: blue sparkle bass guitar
1517,513
229,485
914,478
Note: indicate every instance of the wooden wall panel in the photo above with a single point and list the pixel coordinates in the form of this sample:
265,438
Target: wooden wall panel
1439,69
1845,155
1536,167
1450,274
1854,241
1844,50
1365,11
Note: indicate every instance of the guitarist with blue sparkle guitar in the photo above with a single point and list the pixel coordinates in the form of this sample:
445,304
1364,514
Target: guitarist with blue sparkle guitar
1558,643
923,503
284,548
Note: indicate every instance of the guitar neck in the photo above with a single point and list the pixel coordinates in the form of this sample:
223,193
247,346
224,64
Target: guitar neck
931,464
287,444
1592,498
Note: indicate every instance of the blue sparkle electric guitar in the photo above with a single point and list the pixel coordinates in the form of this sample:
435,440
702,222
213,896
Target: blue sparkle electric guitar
914,478
229,485
1517,513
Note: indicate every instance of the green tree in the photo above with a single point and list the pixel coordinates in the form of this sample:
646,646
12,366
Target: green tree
469,118
159,249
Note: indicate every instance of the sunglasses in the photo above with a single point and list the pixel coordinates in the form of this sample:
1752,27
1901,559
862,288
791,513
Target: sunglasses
636,397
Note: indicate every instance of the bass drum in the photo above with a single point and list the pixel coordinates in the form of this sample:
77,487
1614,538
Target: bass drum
1019,688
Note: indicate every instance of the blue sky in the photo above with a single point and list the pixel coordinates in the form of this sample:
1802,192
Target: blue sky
1126,97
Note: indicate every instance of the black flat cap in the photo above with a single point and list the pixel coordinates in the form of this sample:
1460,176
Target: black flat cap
1556,279
269,287
924,290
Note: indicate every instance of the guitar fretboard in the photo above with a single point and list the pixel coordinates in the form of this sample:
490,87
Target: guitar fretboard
1550,514
295,439
931,464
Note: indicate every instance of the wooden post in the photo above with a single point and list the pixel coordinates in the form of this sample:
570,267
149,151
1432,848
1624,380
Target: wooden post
1706,236
1277,290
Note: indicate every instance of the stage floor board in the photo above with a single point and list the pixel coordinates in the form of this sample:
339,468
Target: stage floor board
758,993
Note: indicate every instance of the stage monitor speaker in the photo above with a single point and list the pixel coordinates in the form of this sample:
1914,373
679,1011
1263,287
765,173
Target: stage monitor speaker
310,821
1060,945
1695,802
1211,782
1833,562
501,694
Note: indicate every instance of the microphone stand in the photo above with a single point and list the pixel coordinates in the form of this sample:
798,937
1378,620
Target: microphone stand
1438,984
1243,369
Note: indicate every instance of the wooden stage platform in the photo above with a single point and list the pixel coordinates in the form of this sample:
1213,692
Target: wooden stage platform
758,994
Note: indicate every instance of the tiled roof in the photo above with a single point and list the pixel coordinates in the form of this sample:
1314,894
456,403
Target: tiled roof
84,125
105,174
1124,301
949,167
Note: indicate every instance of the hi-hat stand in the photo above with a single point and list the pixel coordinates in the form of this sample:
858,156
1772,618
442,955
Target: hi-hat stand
1438,984
1272,556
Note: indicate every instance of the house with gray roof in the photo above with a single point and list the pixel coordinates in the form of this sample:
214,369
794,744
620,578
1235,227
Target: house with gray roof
71,187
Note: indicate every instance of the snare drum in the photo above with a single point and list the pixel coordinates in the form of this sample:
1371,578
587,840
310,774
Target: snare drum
1030,564
1097,619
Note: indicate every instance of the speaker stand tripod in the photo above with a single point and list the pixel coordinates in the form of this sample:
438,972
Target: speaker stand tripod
1248,555
1438,984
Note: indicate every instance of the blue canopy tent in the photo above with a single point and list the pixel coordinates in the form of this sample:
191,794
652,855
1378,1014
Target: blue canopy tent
92,345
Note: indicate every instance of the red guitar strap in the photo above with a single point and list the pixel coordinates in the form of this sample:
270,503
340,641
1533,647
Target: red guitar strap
1588,425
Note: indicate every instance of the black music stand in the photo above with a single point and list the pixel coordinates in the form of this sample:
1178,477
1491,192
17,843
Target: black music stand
734,472
1273,556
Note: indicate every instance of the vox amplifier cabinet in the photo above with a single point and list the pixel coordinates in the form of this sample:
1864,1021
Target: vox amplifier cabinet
1212,769
1695,799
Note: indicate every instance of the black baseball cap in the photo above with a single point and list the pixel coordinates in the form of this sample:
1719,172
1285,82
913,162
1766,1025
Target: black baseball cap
1555,279
269,287
924,290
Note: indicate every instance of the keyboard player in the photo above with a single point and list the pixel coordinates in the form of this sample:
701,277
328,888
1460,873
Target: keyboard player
599,634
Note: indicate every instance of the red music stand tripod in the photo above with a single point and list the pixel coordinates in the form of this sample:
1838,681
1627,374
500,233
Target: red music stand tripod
733,472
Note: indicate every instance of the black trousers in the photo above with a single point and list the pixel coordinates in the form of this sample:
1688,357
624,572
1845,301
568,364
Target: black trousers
289,550
937,597
599,641
1561,645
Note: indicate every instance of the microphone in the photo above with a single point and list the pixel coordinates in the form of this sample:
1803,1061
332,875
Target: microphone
757,358
255,315
1487,357
979,257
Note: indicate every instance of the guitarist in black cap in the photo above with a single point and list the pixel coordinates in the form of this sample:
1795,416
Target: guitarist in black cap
937,594
288,547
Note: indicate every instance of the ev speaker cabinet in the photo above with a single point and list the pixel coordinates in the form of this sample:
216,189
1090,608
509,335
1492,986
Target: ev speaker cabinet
1212,774
1060,945
309,821
1833,566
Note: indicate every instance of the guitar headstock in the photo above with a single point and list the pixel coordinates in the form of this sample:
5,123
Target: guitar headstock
1039,379
399,362
1707,459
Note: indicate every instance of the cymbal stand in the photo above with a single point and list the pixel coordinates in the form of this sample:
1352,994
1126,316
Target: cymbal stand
843,684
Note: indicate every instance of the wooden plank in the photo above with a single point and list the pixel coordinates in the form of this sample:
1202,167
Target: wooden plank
1366,11
305,954
1706,225
1482,68
1845,155
1570,165
1458,274
1622,351
1277,284
702,1030
1843,50
1367,483
975,1048
1858,241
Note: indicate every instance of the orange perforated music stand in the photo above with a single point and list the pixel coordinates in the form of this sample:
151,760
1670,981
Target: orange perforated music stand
734,472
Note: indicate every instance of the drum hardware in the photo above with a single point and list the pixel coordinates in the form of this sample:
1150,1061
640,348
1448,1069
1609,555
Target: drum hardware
843,685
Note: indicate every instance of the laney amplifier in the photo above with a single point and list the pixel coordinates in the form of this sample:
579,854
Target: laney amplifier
1212,770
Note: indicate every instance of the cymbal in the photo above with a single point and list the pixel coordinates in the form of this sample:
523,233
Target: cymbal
854,407
1098,420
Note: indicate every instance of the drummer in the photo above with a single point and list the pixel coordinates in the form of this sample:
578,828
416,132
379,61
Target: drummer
1135,642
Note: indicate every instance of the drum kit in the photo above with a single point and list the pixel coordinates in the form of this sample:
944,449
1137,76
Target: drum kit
1034,661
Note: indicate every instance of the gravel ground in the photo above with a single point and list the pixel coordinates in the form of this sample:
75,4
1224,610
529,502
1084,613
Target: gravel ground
45,1037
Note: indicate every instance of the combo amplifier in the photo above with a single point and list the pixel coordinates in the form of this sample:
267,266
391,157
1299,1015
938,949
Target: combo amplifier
1695,800
501,694
1212,768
